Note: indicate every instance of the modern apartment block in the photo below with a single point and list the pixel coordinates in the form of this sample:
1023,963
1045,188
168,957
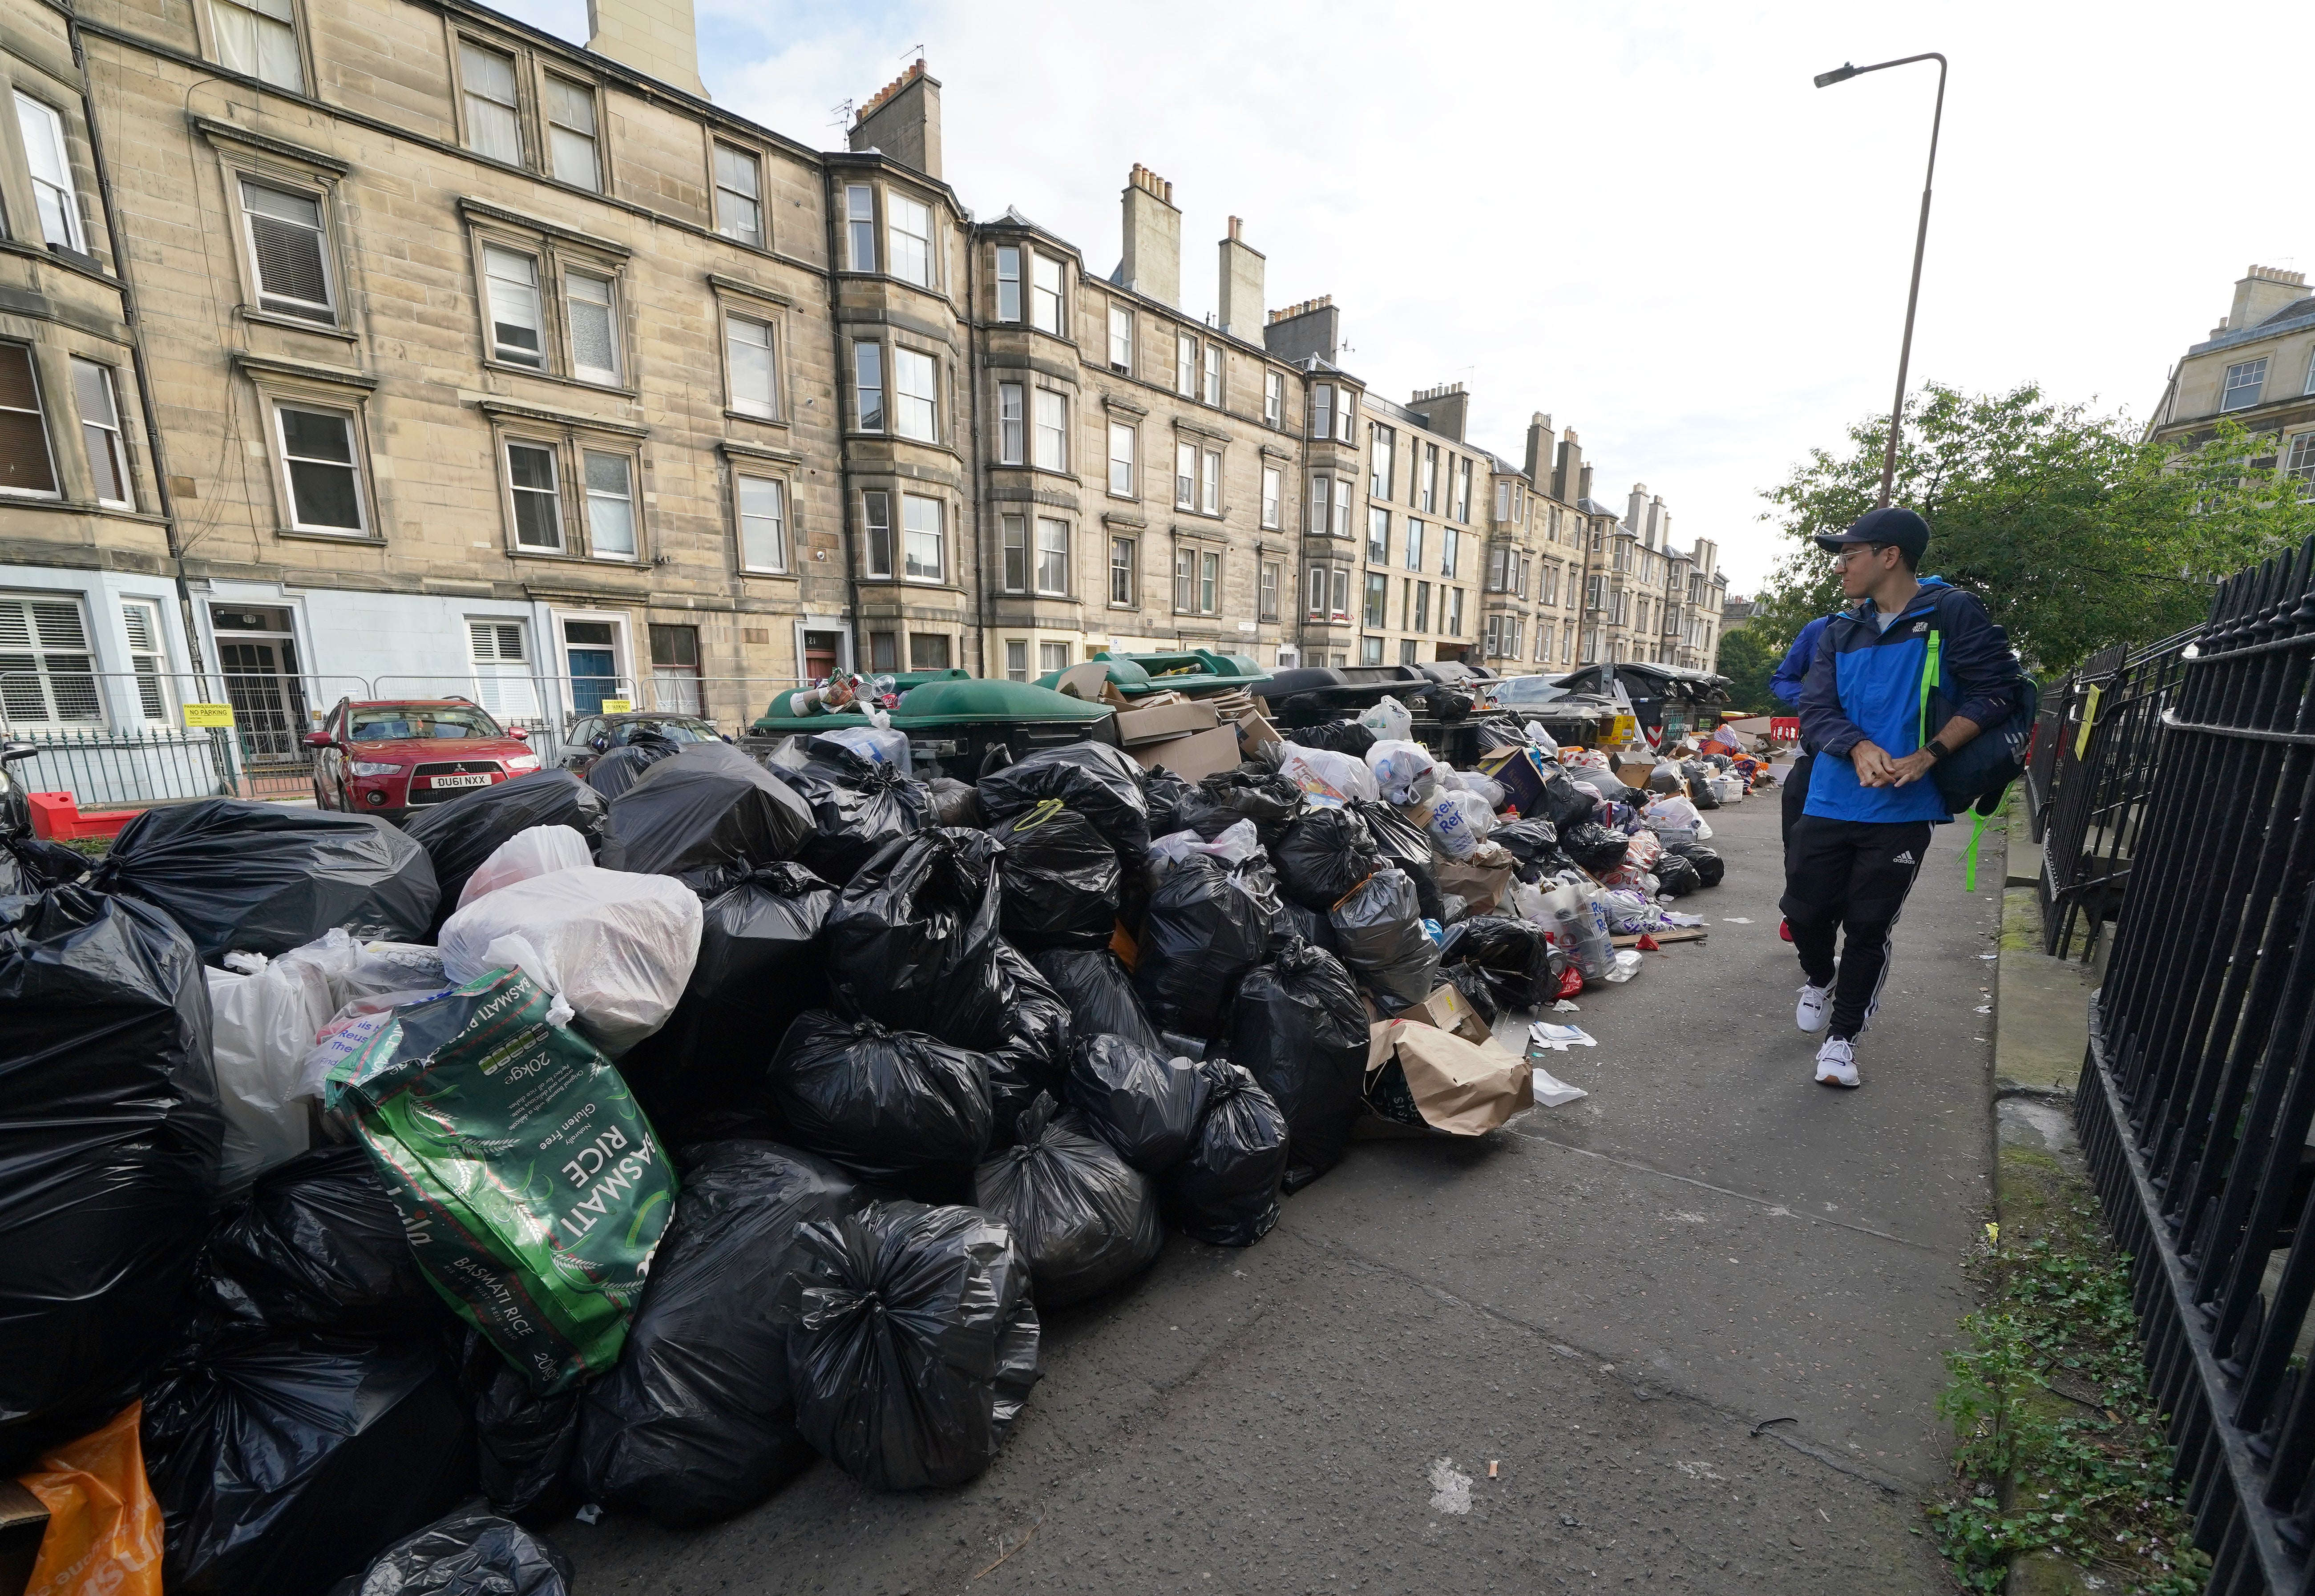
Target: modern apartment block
2257,366
404,349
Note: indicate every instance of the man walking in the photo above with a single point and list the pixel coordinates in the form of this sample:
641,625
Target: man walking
1852,855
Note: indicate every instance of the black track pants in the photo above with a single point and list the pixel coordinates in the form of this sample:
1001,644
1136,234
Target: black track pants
1849,877
1796,792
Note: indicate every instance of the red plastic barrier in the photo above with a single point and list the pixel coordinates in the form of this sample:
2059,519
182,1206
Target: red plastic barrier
56,817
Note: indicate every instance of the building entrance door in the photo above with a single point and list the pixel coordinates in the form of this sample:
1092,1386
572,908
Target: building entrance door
258,659
590,654
822,652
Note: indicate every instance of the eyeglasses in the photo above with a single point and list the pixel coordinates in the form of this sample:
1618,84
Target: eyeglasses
1854,549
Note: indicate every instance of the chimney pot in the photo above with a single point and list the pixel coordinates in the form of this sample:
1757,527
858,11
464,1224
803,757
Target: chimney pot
902,119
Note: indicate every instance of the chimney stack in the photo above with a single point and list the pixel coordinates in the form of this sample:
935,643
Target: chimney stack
1538,451
1444,409
1635,508
657,37
902,120
2266,291
1153,236
1241,287
1312,327
1570,479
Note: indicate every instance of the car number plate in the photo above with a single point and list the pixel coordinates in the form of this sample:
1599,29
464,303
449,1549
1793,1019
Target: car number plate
462,781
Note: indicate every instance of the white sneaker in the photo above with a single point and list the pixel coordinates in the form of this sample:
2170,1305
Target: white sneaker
1836,1062
1815,1004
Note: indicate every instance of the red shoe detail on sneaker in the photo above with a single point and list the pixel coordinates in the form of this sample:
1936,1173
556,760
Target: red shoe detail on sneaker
1785,929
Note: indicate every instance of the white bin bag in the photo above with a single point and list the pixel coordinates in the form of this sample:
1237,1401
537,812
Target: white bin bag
541,850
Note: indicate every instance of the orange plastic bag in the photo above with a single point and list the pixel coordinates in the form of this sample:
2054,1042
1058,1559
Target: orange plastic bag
105,1529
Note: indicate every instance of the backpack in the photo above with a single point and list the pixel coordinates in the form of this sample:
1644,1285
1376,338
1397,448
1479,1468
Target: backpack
1975,776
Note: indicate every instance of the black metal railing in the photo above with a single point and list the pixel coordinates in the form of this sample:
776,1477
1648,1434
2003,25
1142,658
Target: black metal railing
2198,1093
154,765
2103,769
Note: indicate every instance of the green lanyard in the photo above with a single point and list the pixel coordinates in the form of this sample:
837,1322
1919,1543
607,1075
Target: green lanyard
1929,681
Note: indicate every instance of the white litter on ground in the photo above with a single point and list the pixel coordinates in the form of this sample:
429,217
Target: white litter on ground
1450,1488
1559,1038
1550,1090
1734,920
1565,1007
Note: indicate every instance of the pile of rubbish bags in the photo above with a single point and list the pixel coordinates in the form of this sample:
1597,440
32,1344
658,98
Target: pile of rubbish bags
638,1141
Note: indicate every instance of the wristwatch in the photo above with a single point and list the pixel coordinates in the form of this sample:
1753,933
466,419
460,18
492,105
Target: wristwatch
1936,750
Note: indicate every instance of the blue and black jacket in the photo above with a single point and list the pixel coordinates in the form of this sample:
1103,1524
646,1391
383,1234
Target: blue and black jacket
1792,671
1870,685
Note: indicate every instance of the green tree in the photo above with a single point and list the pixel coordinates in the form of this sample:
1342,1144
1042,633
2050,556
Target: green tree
2074,531
1748,660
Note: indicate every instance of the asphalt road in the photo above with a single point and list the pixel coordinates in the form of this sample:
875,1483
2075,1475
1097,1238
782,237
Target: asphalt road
1683,1334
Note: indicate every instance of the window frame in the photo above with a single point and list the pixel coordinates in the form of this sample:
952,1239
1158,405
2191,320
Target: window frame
1322,409
1122,315
753,161
734,402
1011,423
1266,580
58,141
1378,534
1274,497
1130,460
550,123
318,194
877,546
929,399
1274,399
1044,404
1414,533
351,414
2256,385
109,433
867,353
1013,551
780,484
1008,304
1039,293
1374,601
1040,553
859,213
1126,570
83,679
554,495
1213,384
159,676
466,96
1382,468
216,36
1185,482
1209,482
602,376
897,207
495,351
40,415
939,531
631,466
1185,365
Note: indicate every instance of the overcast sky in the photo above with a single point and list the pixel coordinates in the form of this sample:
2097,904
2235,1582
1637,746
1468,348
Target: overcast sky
1640,218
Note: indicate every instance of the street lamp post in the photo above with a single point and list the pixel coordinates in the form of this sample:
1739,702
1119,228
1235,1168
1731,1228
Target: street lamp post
1842,74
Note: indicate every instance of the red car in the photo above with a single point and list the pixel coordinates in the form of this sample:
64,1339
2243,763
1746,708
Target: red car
389,757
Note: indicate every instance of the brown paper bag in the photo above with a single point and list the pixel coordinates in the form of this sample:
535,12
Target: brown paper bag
1459,1087
1480,886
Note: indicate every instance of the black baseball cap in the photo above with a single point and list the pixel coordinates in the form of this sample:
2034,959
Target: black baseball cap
1891,524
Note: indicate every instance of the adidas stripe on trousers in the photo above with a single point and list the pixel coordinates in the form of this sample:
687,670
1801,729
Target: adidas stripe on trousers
1847,880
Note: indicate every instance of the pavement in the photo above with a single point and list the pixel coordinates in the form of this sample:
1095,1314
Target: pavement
1683,1334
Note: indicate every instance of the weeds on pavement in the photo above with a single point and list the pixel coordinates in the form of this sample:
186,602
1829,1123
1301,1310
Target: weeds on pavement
2049,1396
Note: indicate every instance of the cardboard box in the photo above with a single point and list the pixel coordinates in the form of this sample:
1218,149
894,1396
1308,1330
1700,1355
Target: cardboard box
1522,774
24,1522
1460,1087
1634,773
1190,757
1481,886
1254,730
1156,723
1449,1010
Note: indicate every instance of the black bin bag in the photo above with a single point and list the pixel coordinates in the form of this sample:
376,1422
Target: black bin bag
705,810
1378,934
1031,1053
914,1342
1060,879
912,942
1225,1191
1676,877
1405,846
1595,847
1164,793
1534,843
859,804
1299,1029
622,768
761,963
1342,737
1709,865
1083,1216
1698,776
1098,993
460,835
264,878
1563,803
896,1107
1143,1103
525,1446
1206,927
466,1553
1513,957
1095,779
283,1466
1250,793
696,1422
1323,854
110,1136
316,1246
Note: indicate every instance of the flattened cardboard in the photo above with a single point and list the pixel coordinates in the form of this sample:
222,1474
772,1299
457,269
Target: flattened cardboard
1193,757
1157,723
1254,730
1085,681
